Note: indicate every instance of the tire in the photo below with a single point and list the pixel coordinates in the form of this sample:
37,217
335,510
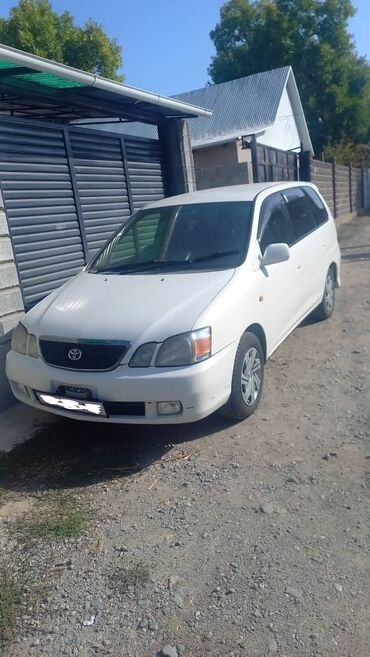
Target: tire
326,307
246,390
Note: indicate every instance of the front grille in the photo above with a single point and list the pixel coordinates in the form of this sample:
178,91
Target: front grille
125,408
82,355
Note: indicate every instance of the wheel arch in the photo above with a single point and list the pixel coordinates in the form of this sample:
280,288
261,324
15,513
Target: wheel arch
259,332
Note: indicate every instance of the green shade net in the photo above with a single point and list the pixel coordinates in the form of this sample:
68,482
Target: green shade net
39,78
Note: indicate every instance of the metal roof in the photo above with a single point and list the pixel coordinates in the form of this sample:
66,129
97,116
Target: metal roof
243,106
32,86
240,107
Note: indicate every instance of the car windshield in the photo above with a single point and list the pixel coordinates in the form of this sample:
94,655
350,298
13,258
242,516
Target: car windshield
193,237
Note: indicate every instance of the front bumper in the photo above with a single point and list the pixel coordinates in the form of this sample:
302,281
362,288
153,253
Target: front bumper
201,388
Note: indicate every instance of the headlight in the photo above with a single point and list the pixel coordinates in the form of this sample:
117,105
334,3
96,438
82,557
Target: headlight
24,343
143,355
33,349
19,339
185,349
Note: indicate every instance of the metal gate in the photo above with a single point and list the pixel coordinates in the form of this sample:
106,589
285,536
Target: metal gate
65,190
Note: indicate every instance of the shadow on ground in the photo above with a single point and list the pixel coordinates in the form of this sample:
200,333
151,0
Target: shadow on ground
72,454
355,252
355,257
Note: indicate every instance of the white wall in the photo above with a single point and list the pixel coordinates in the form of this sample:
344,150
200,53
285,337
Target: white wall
283,133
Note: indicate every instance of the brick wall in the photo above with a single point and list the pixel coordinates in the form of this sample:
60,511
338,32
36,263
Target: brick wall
222,175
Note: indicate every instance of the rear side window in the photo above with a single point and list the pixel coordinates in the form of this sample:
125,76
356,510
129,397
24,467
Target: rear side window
275,225
317,207
299,210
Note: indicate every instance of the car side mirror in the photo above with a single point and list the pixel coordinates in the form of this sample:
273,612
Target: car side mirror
275,253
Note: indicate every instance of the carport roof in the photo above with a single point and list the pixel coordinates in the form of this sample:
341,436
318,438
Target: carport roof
34,87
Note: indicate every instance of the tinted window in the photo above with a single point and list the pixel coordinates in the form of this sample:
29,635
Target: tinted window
317,207
275,224
300,212
191,237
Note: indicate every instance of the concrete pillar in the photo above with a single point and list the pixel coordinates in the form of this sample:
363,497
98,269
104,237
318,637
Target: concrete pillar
177,156
11,304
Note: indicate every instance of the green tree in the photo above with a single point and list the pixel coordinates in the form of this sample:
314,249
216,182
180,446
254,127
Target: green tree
34,26
311,36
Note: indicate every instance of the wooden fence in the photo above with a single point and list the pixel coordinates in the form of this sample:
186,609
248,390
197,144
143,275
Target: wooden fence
345,188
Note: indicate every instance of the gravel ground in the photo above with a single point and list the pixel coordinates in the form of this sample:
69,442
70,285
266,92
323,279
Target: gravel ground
211,539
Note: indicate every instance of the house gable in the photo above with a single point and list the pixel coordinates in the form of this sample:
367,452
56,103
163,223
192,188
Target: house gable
283,133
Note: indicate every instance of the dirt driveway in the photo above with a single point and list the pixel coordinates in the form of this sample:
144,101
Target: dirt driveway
218,540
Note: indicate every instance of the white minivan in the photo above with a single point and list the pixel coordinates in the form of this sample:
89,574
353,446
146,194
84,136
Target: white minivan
176,315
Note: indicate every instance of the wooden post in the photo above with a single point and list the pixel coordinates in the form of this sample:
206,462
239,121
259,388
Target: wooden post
334,188
305,166
296,166
254,159
362,186
350,186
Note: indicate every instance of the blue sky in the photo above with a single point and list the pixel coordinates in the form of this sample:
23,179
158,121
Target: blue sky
166,44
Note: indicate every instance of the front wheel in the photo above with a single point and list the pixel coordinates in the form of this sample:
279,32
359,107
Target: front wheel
326,307
247,380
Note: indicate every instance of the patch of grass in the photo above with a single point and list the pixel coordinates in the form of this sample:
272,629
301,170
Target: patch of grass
68,526
9,599
58,517
136,575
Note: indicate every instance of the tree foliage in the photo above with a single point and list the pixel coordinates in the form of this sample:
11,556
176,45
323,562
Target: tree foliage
34,26
311,36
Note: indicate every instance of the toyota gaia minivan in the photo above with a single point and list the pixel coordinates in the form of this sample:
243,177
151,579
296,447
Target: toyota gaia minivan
176,315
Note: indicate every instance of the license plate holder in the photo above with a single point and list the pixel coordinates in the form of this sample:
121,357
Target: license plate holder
78,406
74,392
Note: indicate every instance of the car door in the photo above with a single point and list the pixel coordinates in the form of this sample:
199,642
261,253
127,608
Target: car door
280,282
326,236
307,247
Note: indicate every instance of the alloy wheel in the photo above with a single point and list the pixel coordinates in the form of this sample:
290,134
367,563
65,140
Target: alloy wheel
251,376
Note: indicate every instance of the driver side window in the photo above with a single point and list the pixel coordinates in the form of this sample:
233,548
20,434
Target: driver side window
275,225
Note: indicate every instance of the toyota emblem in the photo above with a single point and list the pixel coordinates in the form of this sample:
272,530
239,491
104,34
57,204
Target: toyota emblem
74,354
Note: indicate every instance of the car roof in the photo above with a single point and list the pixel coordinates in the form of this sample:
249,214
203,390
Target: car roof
232,193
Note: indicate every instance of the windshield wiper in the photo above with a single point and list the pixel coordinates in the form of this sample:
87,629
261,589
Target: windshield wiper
136,268
216,254
144,266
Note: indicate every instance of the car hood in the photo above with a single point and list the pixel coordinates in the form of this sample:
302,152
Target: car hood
130,307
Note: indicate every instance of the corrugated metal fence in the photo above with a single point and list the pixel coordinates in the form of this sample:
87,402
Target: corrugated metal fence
65,190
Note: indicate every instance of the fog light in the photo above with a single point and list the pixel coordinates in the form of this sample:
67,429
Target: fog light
169,408
20,389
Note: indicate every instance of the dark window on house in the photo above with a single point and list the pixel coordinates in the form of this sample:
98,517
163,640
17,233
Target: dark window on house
317,207
300,212
275,225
